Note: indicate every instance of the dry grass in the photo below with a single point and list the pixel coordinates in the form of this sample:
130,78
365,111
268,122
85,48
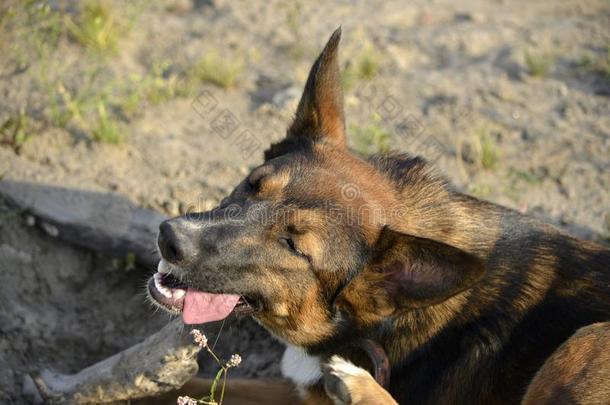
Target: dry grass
364,66
538,63
15,130
598,64
220,70
98,102
370,138
98,26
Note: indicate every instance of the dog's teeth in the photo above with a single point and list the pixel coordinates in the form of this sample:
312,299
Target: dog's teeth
157,278
165,291
162,267
162,289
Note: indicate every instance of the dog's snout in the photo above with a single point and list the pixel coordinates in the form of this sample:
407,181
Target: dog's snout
175,242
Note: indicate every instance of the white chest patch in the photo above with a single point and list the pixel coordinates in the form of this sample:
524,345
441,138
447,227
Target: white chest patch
299,367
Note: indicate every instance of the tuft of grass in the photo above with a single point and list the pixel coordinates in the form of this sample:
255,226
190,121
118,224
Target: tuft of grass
524,176
101,104
88,110
598,65
15,131
368,63
479,190
126,263
489,153
29,31
364,66
158,86
106,129
68,108
97,102
59,116
218,70
538,64
161,85
97,27
371,138
585,61
482,150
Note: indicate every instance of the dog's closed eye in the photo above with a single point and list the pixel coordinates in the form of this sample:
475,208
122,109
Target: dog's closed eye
290,244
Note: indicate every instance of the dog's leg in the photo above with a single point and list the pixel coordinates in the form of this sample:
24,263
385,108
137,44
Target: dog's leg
578,372
346,384
237,392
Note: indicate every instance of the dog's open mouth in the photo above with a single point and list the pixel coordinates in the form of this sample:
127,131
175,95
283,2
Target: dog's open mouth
175,296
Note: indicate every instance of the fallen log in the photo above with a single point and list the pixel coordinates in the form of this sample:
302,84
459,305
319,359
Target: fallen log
102,222
164,361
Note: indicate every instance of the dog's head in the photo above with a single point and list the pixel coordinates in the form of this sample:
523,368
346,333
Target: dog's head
308,242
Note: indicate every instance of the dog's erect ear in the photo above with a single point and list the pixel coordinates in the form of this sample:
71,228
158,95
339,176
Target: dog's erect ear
320,111
319,116
417,272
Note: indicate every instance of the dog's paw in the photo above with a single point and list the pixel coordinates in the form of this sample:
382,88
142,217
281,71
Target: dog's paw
341,377
345,383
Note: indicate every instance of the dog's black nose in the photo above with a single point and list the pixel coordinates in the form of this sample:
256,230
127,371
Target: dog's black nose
175,241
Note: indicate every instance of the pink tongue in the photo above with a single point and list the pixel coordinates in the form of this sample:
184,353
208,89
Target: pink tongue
200,307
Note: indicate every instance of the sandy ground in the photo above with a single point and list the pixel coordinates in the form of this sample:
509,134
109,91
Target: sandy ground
448,72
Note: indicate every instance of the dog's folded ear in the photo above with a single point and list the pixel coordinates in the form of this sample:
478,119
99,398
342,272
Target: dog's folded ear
417,272
319,116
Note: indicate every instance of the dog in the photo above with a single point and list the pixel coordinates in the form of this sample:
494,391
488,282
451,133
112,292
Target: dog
332,252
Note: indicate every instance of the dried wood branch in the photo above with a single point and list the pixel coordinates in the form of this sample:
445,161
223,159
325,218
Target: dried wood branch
164,361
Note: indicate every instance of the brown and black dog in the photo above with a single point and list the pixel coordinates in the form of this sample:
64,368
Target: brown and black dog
326,250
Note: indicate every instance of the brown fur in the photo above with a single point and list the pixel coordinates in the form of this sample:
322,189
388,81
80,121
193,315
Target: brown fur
577,373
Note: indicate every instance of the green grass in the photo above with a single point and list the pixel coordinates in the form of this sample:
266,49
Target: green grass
585,61
161,85
95,101
370,138
538,64
489,152
485,153
222,71
368,63
101,106
525,176
364,66
29,31
158,86
597,64
479,190
87,109
97,26
15,131
106,129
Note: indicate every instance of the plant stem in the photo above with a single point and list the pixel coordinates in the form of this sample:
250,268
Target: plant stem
215,383
224,383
